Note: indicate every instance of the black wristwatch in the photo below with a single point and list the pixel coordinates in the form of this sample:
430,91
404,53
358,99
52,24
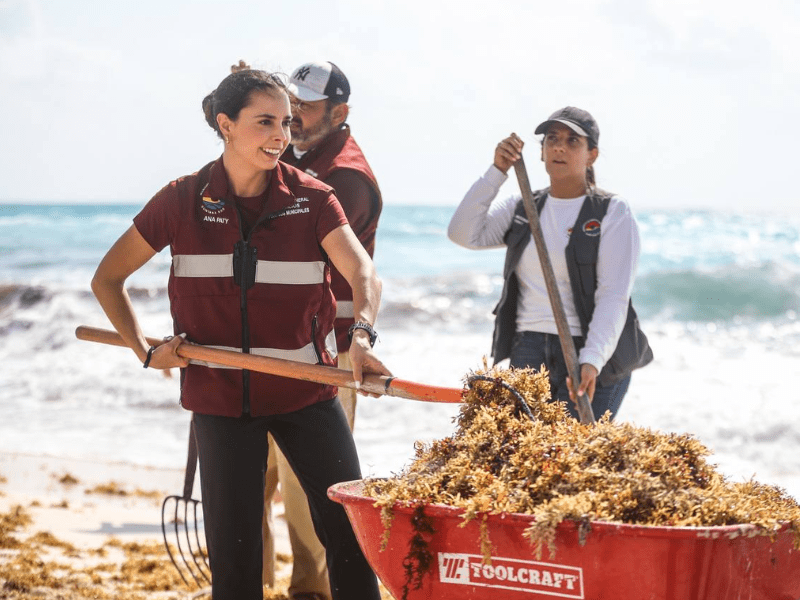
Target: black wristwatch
366,327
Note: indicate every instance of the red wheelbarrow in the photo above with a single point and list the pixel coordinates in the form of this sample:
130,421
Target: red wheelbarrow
601,561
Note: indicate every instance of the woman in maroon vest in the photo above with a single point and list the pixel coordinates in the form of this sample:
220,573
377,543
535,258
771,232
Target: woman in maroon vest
250,239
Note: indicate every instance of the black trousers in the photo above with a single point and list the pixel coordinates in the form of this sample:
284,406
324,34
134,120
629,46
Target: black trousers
318,444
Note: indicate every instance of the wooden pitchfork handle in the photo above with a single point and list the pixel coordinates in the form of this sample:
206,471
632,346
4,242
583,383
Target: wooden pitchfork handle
565,337
376,384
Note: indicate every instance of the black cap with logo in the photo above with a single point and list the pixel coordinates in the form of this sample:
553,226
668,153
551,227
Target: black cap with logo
577,119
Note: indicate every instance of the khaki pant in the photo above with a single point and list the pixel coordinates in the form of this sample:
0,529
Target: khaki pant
309,569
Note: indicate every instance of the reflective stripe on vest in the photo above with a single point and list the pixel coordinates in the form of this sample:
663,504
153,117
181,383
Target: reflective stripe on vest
344,309
267,271
203,265
306,354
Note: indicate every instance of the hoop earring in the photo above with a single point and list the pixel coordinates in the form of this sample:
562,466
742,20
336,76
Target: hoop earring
227,140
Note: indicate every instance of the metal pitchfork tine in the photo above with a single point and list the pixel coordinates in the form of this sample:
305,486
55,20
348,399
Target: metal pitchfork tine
198,570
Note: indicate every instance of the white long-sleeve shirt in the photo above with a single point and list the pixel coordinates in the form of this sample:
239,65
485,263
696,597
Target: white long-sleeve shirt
481,221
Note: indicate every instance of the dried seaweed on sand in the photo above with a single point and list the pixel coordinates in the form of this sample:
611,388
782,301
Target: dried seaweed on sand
554,468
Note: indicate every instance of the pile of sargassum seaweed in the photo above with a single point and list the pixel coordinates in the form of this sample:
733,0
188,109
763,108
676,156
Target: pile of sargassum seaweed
554,468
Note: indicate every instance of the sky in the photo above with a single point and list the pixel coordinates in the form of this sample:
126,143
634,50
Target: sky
697,100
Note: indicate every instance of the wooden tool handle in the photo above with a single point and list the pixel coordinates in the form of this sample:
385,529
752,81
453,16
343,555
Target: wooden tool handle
565,337
377,384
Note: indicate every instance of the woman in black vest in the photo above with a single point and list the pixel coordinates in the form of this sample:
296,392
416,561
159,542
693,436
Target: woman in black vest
593,243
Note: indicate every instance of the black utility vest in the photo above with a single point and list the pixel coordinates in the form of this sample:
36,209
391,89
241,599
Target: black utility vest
633,350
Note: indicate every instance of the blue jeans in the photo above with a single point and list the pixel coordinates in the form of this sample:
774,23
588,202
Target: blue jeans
532,349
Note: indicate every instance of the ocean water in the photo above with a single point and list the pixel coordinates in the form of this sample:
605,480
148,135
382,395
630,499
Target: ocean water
718,295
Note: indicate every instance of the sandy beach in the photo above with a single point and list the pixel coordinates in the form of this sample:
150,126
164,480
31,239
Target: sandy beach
74,529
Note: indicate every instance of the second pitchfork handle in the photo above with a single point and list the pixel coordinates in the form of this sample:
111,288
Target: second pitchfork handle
191,463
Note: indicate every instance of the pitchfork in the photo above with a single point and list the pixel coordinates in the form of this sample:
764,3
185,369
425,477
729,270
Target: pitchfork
197,569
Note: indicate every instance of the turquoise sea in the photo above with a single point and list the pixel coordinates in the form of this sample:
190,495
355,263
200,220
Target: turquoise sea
718,294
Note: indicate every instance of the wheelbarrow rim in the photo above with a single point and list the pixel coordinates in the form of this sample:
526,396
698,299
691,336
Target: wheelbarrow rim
351,492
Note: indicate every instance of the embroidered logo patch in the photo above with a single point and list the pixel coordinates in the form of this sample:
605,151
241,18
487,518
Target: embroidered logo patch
591,228
212,206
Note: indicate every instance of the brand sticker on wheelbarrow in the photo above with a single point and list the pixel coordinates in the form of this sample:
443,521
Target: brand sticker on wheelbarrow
511,574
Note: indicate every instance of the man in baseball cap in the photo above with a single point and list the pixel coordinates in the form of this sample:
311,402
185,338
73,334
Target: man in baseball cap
321,92
323,147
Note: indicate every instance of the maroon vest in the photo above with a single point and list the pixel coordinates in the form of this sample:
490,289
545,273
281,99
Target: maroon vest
340,151
269,294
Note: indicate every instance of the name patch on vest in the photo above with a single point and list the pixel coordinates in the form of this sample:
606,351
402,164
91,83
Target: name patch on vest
591,228
213,209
